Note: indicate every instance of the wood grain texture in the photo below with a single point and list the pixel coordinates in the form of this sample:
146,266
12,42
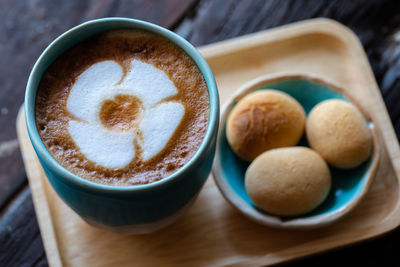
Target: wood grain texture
26,28
375,23
25,248
212,232
29,25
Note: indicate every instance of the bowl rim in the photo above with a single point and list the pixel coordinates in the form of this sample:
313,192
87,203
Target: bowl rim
298,222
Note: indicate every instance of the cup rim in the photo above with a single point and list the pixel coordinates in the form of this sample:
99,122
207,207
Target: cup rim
40,67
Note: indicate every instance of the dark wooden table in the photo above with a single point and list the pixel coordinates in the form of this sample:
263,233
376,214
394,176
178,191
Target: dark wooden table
27,27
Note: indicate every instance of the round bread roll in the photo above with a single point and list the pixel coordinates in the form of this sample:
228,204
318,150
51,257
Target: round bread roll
339,133
288,181
264,120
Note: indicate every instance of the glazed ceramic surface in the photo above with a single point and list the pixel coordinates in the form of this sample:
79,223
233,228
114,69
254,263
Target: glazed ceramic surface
348,186
127,209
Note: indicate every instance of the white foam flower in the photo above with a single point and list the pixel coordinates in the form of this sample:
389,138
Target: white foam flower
103,81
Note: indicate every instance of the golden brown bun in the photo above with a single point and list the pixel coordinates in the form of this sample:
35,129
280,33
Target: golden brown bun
339,133
288,181
264,120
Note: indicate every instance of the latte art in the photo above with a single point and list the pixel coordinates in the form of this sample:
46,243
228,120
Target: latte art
103,82
123,107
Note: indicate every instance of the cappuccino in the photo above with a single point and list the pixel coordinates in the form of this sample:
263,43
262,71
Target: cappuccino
123,107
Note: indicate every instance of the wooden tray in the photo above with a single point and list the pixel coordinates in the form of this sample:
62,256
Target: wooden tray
212,232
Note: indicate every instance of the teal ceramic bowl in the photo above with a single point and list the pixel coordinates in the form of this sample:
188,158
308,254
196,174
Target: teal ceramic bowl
348,186
127,209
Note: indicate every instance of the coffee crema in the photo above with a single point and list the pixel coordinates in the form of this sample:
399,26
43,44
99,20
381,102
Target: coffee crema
123,107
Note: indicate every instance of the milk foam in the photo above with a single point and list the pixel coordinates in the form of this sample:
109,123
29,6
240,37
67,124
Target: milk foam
109,149
157,126
101,82
99,78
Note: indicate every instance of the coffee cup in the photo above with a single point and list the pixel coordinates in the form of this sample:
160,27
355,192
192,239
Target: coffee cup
132,209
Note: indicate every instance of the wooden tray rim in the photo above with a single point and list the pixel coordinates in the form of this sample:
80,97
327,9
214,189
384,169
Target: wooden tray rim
40,201
337,30
318,26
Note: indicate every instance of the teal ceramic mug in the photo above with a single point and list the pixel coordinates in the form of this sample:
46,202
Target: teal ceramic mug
125,209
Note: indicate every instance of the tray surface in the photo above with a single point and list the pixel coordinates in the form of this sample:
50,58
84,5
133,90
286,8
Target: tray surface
212,232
